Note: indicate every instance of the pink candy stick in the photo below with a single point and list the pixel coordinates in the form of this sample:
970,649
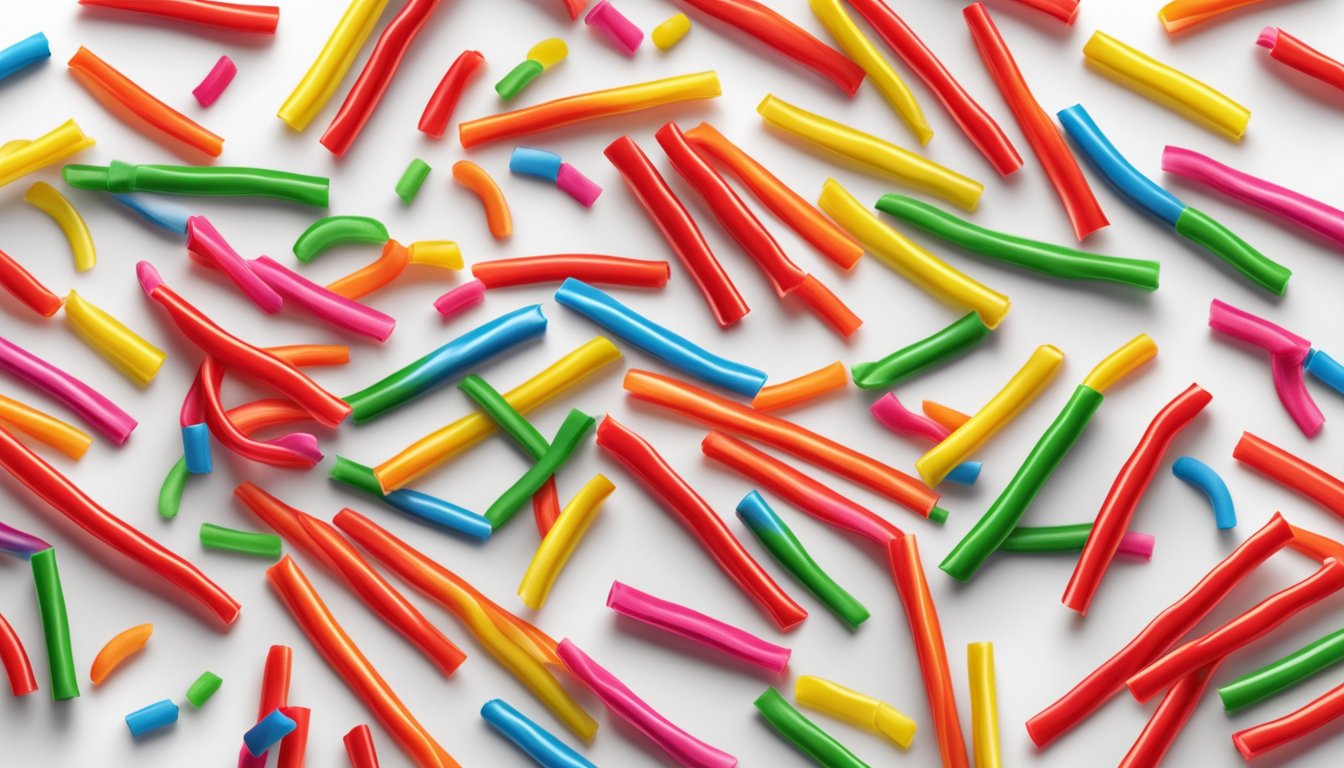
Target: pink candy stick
1240,324
330,307
1137,545
463,297
1291,386
892,414
682,746
210,248
615,27
215,82
79,397
1304,211
697,627
577,186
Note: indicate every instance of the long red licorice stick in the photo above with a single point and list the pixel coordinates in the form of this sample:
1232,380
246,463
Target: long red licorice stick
655,474
678,229
223,429
15,661
21,284
908,573
359,747
757,20
345,658
1255,623
239,356
1168,719
261,19
60,494
591,268
1289,50
1255,741
800,490
319,540
983,131
294,747
1291,471
1058,162
743,420
442,103
1161,633
1064,10
1118,509
275,677
373,80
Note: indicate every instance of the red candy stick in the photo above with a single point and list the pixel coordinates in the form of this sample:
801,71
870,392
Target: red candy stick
789,39
1118,509
439,110
1168,719
293,451
653,472
15,661
294,747
1059,163
678,229
1257,740
21,284
359,747
275,680
921,614
803,492
974,121
591,268
1064,10
60,494
1259,621
1161,633
377,74
1290,471
1286,49
261,19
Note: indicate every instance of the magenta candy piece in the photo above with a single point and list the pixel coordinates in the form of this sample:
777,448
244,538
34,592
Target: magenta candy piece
577,186
248,760
1291,386
615,27
697,627
464,296
210,248
148,276
18,543
1252,329
1137,545
325,304
1268,38
682,746
79,397
892,414
215,82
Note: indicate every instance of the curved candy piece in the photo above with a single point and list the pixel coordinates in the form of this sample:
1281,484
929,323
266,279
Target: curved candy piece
330,231
682,746
915,358
680,353
984,705
1291,387
97,410
209,181
670,31
55,625
588,106
23,54
805,388
1138,190
1166,86
130,353
160,714
19,543
1060,166
294,451
1253,329
215,81
1180,15
558,543
615,27
1289,50
589,267
421,506
319,83
1046,258
443,102
15,661
30,291
475,178
572,182
50,201
806,735
855,708
1203,477
261,19
1257,740
533,740
323,302
51,147
359,747
872,154
210,248
121,647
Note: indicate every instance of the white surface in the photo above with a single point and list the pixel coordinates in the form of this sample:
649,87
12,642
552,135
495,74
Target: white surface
1041,648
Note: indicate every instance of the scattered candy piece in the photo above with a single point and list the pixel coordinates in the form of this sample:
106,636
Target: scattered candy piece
51,147
854,708
443,102
918,357
805,388
121,647
984,705
804,734
412,179
559,542
207,181
23,54
216,80
160,714
1203,477
615,27
203,688
533,740
540,58
50,201
476,179
55,625
267,732
319,83
670,31
265,545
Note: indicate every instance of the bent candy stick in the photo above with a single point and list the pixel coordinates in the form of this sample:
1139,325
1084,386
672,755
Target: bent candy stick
804,734
757,20
14,659
261,19
1059,164
330,231
1286,49
1123,498
802,389
1263,618
345,658
1307,212
30,291
697,627
588,106
1164,631
1287,352
215,81
50,201
1209,483
478,180
988,533
918,357
678,229
443,102
51,147
682,746
324,303
208,247
211,181
18,543
102,414
1291,471
642,461
729,416
1257,740
122,646
293,451
560,539
588,267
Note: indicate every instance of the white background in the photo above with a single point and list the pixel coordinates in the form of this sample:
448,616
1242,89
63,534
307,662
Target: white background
1041,648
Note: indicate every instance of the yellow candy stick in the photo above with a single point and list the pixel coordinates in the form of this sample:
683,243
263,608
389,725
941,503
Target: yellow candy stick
1121,362
50,201
446,442
984,705
55,145
548,52
930,273
1025,385
132,355
1166,86
559,543
45,428
854,708
436,253
333,61
670,32
861,51
873,154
